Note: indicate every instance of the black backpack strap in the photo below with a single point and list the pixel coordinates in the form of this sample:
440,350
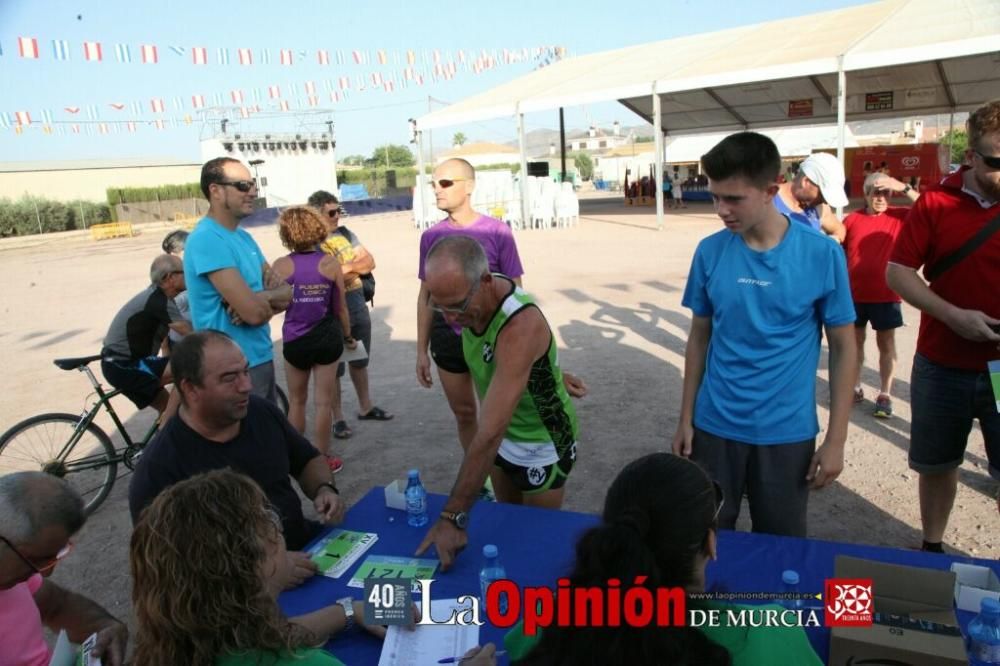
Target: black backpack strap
970,246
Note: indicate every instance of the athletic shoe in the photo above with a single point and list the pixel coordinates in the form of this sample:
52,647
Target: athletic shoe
859,395
335,463
883,407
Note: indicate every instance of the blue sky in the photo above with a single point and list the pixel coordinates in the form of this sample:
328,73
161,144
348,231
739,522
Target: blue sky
363,120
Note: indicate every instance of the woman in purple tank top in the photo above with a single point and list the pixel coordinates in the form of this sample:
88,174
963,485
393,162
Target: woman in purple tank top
317,326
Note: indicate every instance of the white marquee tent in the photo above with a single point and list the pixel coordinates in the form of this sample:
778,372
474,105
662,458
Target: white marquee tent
885,59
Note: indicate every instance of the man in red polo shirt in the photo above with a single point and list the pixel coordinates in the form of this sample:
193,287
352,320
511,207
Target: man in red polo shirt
959,324
870,234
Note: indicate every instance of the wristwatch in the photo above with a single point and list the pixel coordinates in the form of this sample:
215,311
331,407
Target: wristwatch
347,603
907,189
459,519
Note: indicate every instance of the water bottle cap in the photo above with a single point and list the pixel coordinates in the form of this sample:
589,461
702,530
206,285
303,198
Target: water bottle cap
790,577
489,550
991,606
414,473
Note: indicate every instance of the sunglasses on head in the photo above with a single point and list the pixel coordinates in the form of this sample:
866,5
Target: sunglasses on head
992,162
445,183
46,566
241,185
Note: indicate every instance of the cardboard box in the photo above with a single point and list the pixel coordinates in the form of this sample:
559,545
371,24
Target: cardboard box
920,594
974,583
395,497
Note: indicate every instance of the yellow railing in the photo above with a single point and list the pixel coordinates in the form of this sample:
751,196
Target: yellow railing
187,222
111,230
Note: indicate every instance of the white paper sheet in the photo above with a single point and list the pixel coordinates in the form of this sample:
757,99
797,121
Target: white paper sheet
426,644
359,353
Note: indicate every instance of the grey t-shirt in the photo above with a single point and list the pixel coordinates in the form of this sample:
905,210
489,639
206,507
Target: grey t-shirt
137,331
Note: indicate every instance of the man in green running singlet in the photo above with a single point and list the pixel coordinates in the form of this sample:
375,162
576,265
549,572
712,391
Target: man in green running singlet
527,432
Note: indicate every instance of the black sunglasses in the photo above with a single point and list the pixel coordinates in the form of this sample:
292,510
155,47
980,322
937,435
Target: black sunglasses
990,161
445,183
335,212
242,185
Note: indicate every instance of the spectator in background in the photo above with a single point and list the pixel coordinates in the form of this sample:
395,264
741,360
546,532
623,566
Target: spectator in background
454,181
232,288
871,233
959,321
355,261
316,327
812,195
130,359
39,516
173,244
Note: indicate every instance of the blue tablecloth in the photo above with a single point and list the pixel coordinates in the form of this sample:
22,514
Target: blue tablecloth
537,546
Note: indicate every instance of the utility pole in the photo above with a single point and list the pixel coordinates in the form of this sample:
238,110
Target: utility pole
430,135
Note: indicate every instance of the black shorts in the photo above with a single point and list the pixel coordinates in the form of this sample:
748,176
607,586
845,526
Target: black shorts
322,345
139,381
446,347
361,327
532,480
883,316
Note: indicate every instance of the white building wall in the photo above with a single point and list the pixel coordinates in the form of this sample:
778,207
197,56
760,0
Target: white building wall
287,176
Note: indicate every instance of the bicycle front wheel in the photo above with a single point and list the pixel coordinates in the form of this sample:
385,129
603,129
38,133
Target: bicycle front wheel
40,444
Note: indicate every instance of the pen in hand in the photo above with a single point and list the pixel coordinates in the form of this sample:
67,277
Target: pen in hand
459,660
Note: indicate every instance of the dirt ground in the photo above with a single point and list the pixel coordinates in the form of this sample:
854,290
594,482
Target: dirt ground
611,290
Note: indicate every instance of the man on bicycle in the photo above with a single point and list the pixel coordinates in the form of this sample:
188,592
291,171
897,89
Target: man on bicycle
130,360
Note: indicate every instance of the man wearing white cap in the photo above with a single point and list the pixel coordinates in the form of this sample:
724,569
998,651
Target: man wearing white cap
812,195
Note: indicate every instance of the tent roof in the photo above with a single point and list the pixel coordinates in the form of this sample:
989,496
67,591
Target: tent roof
921,56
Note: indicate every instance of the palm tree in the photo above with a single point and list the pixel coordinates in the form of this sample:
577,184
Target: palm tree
459,139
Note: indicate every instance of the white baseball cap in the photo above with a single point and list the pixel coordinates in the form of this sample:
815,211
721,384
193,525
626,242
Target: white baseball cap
827,172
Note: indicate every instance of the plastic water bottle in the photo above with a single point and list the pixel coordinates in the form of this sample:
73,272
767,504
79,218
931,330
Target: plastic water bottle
790,584
416,501
984,634
492,570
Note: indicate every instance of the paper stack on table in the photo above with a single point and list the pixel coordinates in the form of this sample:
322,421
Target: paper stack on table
426,644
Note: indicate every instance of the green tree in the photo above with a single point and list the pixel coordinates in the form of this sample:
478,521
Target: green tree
391,155
583,164
353,160
957,141
644,139
459,139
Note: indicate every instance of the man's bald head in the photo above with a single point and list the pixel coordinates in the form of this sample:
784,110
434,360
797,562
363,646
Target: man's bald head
461,168
461,254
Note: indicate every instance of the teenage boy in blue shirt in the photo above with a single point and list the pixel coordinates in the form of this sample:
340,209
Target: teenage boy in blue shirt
760,292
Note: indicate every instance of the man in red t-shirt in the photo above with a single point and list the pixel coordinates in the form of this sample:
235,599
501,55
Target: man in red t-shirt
870,233
959,324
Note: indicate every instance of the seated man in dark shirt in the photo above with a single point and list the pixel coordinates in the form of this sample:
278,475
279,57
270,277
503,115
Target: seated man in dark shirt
130,354
219,425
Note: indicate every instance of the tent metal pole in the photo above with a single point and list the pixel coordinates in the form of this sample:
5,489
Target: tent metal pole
658,151
841,115
524,168
562,144
419,192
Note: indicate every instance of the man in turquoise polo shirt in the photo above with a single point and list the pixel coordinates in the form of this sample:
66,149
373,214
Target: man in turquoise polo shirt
230,285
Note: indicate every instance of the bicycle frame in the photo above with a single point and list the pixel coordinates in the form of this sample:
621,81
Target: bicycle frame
103,401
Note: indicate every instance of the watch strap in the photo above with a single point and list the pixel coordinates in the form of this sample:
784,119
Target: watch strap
347,603
328,484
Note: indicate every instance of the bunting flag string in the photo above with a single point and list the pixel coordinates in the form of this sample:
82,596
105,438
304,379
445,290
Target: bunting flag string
411,68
